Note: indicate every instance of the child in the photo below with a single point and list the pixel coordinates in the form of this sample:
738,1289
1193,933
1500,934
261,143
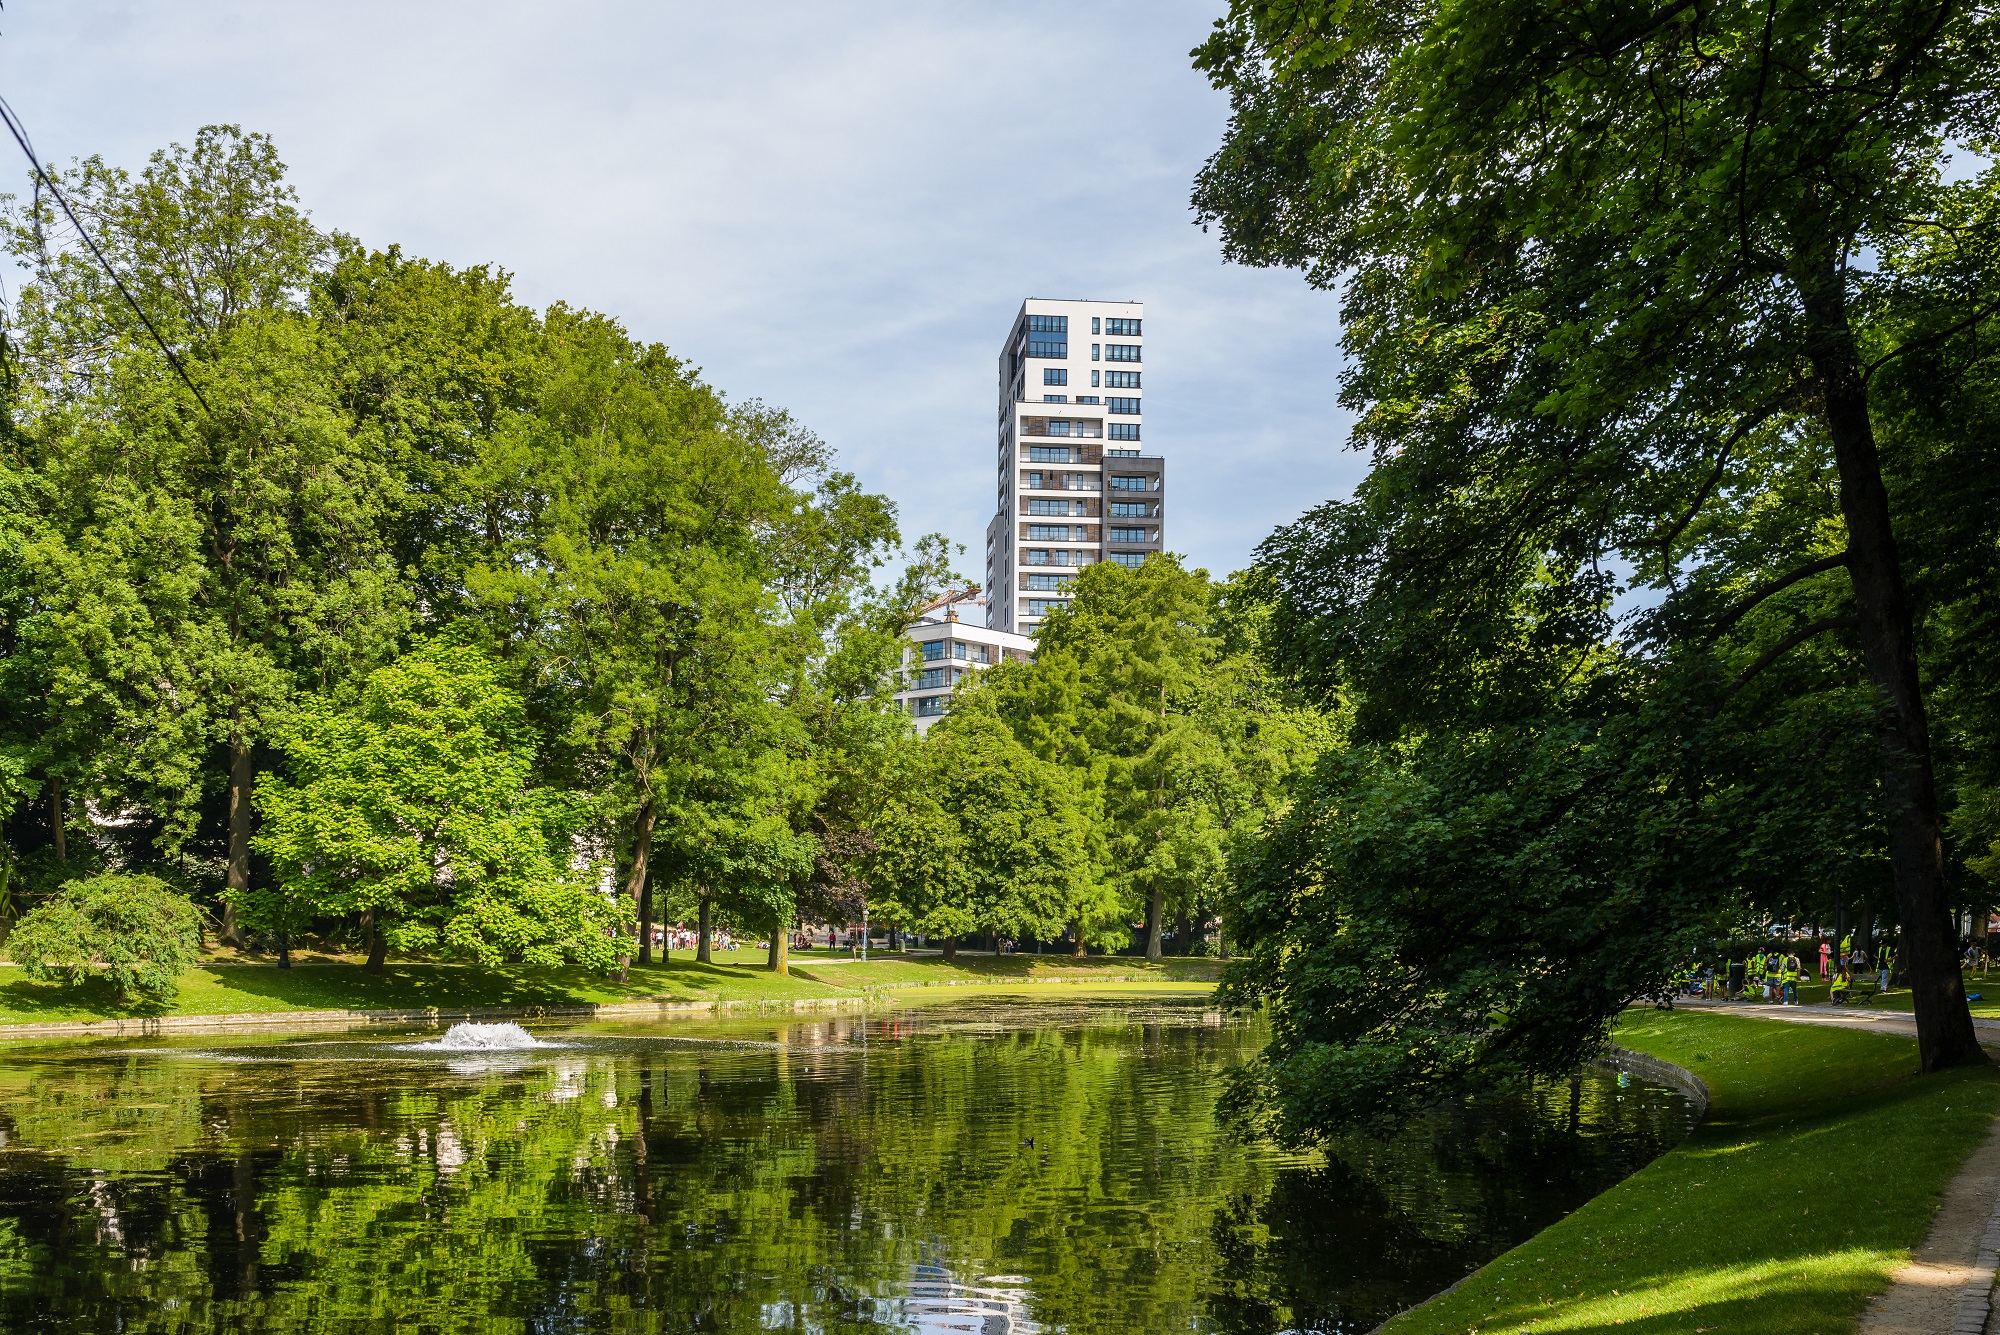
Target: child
1837,991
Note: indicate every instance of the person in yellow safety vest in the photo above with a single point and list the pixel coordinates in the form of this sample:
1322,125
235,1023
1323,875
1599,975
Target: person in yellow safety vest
1837,990
1753,974
1790,978
1774,974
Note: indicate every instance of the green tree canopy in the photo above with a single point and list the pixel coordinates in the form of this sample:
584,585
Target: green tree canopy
416,806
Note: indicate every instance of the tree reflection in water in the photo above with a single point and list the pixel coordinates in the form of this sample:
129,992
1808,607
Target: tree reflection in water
866,1173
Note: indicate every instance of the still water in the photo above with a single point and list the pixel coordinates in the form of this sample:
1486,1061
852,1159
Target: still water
998,1166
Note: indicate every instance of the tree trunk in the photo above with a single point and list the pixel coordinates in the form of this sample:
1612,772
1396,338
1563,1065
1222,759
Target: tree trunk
701,941
951,948
242,774
378,944
56,819
1945,1036
284,950
1154,909
639,885
1864,930
1079,951
780,960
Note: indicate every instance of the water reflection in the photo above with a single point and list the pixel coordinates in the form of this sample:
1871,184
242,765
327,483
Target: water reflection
973,1166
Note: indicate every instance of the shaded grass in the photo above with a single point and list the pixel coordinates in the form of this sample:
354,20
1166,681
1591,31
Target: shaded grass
243,989
1820,1164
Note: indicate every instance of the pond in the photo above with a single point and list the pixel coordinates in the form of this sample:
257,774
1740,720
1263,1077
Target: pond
997,1165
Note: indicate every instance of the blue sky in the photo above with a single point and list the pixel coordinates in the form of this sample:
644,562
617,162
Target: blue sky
833,207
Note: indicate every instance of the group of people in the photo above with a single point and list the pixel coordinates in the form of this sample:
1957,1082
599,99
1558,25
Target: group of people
1775,975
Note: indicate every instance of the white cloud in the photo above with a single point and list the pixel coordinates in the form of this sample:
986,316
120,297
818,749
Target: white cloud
833,207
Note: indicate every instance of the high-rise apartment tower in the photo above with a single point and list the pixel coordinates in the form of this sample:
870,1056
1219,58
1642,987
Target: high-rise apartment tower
1075,484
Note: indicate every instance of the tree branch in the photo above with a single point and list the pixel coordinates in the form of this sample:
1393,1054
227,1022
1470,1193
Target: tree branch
1778,650
1763,591
1743,428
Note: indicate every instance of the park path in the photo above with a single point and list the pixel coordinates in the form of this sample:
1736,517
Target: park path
1946,1288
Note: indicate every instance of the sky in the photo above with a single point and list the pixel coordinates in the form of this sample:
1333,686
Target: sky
835,208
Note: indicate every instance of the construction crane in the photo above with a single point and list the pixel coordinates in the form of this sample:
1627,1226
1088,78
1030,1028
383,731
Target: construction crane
951,597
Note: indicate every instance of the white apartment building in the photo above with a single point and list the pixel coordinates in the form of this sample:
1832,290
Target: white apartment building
942,650
1075,485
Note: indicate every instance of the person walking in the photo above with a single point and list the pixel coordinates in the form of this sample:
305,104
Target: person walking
1883,959
1825,954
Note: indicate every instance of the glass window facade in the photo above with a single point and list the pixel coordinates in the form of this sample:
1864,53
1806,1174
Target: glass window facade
930,677
1121,328
1041,607
1128,535
933,650
1048,454
1049,581
1132,559
1130,407
1128,510
1118,352
1048,507
1123,483
1048,324
928,706
1124,431
1055,375
1119,380
1049,347
1049,533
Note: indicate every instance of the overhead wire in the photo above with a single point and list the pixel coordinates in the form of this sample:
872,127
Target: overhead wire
44,180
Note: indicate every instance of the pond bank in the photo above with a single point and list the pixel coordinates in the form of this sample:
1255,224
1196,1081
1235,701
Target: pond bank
233,996
1820,1166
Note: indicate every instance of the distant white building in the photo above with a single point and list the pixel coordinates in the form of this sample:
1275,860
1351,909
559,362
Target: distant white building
1074,486
943,649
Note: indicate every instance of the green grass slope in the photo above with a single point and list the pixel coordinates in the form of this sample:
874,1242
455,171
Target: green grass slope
243,989
1819,1166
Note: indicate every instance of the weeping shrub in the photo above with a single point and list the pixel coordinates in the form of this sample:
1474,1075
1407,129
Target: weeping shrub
135,932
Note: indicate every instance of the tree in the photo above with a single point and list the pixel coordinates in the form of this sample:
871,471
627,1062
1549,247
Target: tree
978,835
415,807
1590,260
135,932
204,555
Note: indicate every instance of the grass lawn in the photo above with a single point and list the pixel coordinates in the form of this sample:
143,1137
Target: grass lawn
239,989
1819,1165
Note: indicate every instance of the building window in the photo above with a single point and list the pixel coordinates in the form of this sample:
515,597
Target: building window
1118,380
1128,535
1048,324
1048,454
1088,398
1124,431
1055,375
958,649
1093,325
1047,347
1121,328
1132,560
1118,352
1048,507
928,706
1049,581
933,650
1093,352
1121,483
930,679
1126,454
1055,398
1041,607
1038,556
1128,510
1093,379
1130,407
1048,533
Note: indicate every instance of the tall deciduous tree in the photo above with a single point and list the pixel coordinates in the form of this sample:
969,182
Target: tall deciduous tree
1590,257
205,557
417,808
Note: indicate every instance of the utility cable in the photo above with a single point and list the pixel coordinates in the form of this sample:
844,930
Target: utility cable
20,134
